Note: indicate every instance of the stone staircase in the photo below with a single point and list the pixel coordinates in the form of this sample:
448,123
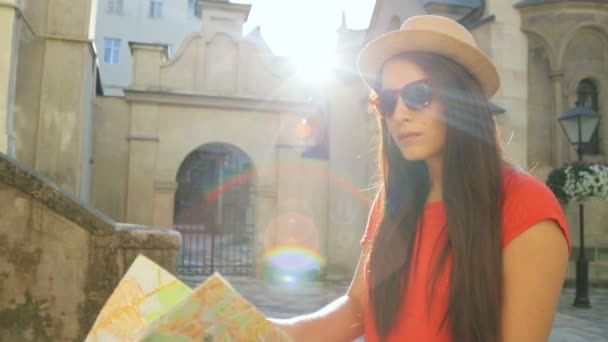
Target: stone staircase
60,259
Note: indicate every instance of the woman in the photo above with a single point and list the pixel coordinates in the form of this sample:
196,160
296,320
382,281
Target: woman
459,246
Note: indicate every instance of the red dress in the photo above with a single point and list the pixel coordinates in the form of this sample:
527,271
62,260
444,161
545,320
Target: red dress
527,202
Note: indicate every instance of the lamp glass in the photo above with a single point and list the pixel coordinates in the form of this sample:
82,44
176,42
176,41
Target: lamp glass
588,126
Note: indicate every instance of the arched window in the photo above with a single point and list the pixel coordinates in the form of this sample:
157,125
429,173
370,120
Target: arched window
587,95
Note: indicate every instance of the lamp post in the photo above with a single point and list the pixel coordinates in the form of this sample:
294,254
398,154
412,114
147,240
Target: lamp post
579,124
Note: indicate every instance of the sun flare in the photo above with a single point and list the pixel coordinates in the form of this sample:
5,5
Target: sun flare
314,66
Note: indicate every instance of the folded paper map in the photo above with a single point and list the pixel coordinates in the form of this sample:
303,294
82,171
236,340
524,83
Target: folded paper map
146,292
149,304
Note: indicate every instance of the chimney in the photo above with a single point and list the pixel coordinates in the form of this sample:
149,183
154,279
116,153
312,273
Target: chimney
223,16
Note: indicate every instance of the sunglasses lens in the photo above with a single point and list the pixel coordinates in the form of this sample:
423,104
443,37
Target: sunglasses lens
417,96
386,103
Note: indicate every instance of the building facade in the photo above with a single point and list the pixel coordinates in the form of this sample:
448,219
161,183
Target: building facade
219,114
218,134
119,22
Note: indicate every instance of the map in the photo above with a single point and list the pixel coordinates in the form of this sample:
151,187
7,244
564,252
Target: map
145,292
213,312
149,304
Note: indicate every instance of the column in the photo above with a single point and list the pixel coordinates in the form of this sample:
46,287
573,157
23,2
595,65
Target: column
557,135
164,203
66,85
265,211
143,148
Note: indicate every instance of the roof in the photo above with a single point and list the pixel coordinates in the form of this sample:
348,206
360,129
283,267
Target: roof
496,109
462,3
528,3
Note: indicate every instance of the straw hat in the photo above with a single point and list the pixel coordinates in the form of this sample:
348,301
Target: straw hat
430,33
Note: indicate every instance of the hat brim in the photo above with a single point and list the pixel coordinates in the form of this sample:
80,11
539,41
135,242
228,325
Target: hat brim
377,52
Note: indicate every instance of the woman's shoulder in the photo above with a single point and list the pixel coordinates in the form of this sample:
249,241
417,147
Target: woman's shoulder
518,183
527,201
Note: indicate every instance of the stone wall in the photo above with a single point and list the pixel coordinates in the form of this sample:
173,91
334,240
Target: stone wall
60,260
53,83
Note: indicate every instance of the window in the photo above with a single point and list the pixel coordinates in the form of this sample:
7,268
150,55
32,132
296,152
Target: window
587,95
111,51
193,9
115,6
156,8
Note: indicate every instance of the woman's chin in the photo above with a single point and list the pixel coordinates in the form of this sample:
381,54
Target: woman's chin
414,154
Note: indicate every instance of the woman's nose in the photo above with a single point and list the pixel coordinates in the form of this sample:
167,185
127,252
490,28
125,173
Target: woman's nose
402,112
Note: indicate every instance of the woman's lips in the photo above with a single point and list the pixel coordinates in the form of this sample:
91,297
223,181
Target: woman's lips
408,137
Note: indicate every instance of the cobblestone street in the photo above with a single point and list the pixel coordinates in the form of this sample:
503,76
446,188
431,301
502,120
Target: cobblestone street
571,324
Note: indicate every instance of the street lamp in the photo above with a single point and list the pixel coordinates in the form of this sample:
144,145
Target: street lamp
579,124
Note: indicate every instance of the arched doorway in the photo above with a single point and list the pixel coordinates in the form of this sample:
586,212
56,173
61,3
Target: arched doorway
214,211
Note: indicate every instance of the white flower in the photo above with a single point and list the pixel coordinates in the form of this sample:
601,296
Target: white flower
587,183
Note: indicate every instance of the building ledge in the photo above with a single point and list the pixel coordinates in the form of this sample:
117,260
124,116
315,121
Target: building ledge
167,97
528,3
477,23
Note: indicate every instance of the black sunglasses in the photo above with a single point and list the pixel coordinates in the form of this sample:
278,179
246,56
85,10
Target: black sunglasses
416,96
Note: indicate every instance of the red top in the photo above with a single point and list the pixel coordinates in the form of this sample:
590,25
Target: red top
527,202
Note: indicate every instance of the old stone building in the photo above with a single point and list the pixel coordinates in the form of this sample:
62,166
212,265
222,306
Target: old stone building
225,114
259,170
221,90
223,141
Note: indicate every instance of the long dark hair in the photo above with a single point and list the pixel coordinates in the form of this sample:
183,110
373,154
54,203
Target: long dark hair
472,197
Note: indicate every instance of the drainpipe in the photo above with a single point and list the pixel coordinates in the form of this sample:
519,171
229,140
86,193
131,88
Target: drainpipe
10,136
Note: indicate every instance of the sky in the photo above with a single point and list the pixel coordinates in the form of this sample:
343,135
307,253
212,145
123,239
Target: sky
305,28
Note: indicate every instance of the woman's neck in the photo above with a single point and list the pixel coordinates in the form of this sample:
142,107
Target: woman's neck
435,168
